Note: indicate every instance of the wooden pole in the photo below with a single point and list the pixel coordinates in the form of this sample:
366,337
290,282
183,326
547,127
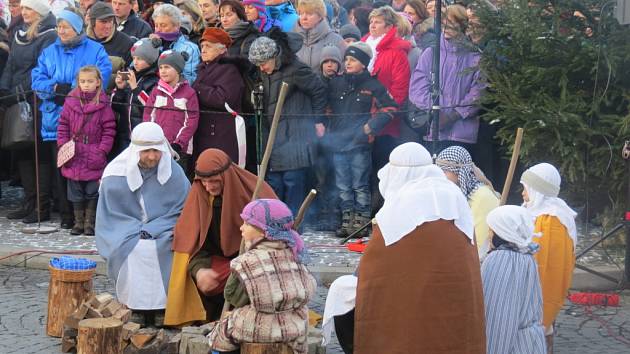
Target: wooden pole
272,138
100,336
515,153
303,208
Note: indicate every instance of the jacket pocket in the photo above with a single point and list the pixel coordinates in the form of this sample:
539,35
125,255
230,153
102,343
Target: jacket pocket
96,159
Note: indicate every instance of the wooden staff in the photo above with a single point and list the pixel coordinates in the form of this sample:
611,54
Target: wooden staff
265,162
272,138
515,153
303,208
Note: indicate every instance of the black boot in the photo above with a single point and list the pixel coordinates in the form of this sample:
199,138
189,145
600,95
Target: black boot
27,174
79,217
360,219
90,217
347,217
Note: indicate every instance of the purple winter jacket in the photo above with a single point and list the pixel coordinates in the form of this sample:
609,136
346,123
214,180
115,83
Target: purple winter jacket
461,84
93,142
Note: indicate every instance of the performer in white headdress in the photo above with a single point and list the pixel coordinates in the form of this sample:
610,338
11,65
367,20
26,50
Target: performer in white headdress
142,194
422,263
511,286
556,221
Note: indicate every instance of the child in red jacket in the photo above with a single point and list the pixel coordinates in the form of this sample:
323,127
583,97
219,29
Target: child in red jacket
173,104
85,136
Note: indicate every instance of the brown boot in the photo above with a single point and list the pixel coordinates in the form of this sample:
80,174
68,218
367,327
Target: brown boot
90,217
360,219
79,218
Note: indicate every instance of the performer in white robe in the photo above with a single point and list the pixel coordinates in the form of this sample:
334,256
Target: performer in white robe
142,194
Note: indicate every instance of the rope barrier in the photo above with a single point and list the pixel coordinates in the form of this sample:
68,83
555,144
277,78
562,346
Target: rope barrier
244,115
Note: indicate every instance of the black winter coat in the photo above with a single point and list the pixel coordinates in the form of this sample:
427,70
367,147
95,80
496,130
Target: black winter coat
350,95
129,105
24,54
217,82
135,27
294,147
242,39
119,46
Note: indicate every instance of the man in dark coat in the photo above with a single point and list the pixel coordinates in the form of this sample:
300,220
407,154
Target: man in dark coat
101,28
128,22
218,82
302,113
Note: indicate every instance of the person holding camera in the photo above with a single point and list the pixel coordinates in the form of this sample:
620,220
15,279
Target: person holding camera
133,88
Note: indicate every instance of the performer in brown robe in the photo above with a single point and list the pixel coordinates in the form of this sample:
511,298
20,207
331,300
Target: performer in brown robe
419,285
207,237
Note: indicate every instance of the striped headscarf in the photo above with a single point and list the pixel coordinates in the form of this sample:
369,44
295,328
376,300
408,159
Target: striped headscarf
456,159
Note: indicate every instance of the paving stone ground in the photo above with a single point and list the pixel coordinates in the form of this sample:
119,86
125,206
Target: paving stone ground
23,293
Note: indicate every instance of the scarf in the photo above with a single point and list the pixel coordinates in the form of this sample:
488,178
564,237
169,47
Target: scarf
168,36
87,97
456,159
74,42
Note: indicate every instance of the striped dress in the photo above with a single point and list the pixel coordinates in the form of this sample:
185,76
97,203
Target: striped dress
513,303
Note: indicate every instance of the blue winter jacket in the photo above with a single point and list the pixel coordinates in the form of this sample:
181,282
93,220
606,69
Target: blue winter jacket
284,13
60,65
182,44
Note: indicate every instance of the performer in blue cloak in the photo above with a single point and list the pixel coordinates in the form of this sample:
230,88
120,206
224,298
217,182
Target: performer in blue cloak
142,193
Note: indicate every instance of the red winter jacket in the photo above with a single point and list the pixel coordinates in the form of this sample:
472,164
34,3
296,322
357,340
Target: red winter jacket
392,70
179,115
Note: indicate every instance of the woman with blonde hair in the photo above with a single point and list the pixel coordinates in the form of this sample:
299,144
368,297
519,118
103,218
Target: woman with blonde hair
192,11
36,33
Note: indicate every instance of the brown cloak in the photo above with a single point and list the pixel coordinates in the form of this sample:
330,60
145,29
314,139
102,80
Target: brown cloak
423,294
183,302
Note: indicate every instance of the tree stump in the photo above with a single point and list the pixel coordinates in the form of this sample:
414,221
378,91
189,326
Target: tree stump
100,336
265,348
66,291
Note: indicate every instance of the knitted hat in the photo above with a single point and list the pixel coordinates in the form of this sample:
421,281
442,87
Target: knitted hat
177,60
101,10
186,25
42,7
330,52
275,219
216,35
73,19
360,51
263,49
258,4
350,31
147,50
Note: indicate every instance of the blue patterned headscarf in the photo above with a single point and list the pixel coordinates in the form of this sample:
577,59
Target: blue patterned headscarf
276,220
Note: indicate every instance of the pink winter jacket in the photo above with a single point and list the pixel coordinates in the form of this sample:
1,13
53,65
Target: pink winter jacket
179,115
93,142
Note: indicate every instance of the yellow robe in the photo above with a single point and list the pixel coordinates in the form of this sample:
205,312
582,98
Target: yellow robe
482,201
556,260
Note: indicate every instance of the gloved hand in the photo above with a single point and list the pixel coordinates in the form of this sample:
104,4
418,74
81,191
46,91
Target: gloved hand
61,91
177,148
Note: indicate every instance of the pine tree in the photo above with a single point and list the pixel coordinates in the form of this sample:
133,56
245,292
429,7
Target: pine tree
561,70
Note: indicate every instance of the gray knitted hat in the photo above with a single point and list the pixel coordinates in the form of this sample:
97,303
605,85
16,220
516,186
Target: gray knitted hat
263,49
360,51
350,31
147,49
175,59
330,52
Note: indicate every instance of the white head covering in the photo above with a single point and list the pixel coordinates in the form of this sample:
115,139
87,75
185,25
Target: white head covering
406,162
542,183
415,192
145,136
514,224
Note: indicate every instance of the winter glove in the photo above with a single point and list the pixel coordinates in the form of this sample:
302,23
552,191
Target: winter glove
61,91
145,235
